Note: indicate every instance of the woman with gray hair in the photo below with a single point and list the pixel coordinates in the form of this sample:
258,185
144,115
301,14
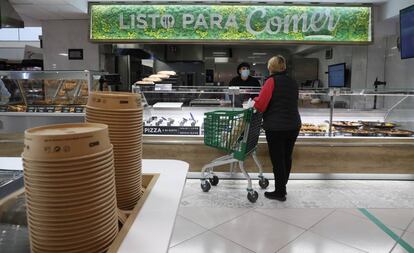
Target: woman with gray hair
278,100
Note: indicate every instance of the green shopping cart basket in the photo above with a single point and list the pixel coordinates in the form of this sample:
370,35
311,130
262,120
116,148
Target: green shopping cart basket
236,132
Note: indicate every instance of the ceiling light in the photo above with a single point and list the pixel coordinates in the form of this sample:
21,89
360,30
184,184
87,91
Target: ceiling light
257,53
63,54
221,59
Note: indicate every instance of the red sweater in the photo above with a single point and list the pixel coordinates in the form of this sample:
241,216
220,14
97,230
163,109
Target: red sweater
262,101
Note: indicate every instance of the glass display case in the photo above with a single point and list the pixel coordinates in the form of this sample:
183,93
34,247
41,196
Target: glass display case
46,91
324,112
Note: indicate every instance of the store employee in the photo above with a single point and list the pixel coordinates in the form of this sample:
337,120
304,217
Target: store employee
243,77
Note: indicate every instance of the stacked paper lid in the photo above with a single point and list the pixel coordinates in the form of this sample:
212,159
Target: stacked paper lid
70,188
122,112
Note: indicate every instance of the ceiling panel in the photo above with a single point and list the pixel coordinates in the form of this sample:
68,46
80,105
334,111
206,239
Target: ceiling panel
76,9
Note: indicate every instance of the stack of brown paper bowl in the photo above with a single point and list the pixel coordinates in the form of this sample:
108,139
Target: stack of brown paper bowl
70,188
122,112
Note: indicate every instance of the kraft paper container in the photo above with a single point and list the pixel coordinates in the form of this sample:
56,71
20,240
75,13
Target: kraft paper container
137,114
123,114
70,190
58,198
91,239
110,121
65,141
86,176
70,162
118,112
114,100
76,227
59,172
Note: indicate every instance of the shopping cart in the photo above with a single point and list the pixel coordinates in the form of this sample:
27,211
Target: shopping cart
237,133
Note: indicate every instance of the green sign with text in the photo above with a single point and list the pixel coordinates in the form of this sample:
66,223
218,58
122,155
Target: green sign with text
230,23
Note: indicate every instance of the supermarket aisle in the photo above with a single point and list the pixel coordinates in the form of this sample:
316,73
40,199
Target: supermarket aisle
318,217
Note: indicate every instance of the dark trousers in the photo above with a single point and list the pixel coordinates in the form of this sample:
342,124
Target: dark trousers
281,145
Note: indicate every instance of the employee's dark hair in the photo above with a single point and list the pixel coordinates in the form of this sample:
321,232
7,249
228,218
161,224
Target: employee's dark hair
241,65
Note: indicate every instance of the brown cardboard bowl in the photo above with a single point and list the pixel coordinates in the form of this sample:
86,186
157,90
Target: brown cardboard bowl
91,109
133,165
58,172
115,122
125,168
74,243
80,240
127,186
62,161
100,245
43,203
53,216
133,179
42,180
66,164
125,138
130,195
55,171
68,231
120,148
124,155
125,164
113,118
51,210
70,165
64,141
82,176
121,112
131,191
123,129
40,189
136,115
57,225
130,142
123,158
114,100
127,148
68,198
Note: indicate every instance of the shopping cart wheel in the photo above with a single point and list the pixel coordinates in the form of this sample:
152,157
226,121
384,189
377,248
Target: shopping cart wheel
214,180
205,186
252,196
263,182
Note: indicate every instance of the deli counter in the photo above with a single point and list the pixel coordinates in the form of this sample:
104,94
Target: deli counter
344,131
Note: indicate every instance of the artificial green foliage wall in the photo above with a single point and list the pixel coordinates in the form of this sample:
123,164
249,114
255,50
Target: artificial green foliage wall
126,23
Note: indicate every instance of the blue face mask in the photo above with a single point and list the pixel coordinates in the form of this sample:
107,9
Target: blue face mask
245,73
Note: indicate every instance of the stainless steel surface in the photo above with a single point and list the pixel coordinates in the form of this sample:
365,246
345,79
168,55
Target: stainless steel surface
9,18
18,122
49,75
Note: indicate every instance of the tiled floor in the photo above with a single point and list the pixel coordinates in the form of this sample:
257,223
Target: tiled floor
318,217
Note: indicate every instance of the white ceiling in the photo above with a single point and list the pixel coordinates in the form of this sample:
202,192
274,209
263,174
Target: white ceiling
34,11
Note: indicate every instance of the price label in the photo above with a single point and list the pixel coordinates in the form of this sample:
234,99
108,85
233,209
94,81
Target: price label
79,109
65,109
31,109
171,130
41,109
50,109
